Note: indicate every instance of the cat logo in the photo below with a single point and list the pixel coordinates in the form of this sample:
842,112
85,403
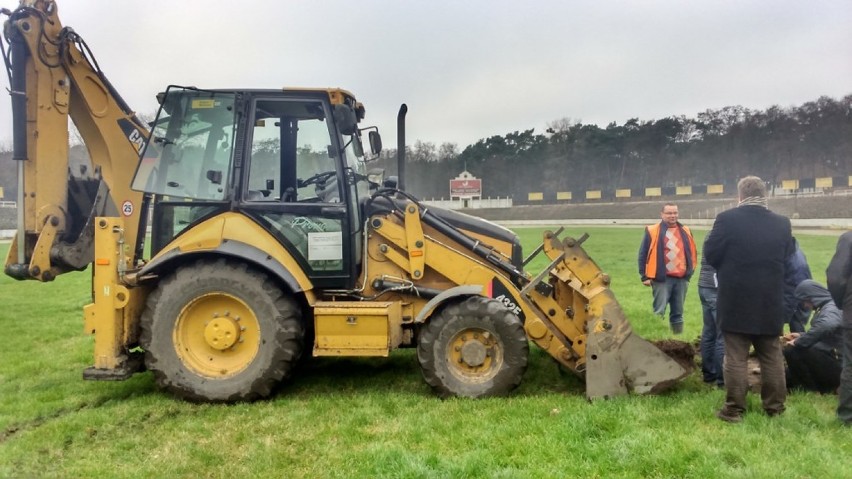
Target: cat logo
137,140
136,137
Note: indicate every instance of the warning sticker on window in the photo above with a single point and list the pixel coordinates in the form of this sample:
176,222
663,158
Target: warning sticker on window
325,246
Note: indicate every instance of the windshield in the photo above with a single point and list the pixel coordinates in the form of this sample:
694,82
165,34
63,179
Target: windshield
189,153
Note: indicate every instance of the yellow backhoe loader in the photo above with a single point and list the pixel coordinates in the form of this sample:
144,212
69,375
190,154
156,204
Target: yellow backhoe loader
240,230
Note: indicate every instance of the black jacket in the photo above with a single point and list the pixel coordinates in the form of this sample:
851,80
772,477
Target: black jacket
839,269
749,247
825,333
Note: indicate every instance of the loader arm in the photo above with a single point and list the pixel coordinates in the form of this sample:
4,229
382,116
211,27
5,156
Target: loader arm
568,309
54,77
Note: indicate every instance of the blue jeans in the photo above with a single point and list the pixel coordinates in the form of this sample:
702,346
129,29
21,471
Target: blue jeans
670,292
712,340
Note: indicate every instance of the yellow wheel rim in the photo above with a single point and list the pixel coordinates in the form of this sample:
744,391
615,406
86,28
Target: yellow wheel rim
475,355
217,335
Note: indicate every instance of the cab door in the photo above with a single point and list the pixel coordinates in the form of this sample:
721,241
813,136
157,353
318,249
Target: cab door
293,185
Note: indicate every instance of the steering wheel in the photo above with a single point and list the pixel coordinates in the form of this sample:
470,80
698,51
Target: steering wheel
318,178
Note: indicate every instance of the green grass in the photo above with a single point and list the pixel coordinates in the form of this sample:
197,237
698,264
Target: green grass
377,418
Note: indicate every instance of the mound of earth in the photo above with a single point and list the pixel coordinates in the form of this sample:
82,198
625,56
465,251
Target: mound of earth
682,352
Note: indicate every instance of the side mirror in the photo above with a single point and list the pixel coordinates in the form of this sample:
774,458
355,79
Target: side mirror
375,142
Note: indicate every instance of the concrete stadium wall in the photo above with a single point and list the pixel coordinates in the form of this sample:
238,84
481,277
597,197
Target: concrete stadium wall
818,207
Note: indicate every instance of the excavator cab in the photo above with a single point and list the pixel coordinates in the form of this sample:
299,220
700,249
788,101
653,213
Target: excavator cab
292,161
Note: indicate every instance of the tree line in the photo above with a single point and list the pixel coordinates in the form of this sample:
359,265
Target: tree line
717,146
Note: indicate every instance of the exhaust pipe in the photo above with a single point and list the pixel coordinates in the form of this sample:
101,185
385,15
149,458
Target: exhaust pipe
400,146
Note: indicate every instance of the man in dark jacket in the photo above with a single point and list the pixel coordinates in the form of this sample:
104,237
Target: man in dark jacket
813,358
839,275
749,246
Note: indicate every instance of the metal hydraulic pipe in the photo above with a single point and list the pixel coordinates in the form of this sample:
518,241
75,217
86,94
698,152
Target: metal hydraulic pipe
386,284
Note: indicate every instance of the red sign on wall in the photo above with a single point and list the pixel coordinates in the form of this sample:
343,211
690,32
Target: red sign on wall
467,187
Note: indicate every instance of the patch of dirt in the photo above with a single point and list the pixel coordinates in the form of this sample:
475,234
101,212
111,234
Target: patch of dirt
682,352
753,374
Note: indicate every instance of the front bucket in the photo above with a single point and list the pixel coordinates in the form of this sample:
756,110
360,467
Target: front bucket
619,362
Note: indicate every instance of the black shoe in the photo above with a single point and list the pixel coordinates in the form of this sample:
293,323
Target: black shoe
729,416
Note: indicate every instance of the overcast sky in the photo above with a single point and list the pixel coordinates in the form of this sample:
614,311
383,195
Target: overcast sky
472,69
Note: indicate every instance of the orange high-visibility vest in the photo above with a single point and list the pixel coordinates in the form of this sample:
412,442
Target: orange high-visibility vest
655,260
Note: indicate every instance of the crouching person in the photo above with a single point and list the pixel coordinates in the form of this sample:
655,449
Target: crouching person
813,358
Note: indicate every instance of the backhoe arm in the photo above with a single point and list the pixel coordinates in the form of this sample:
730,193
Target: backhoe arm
54,76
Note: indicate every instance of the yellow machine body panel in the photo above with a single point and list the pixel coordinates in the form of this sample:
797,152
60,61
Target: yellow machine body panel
349,328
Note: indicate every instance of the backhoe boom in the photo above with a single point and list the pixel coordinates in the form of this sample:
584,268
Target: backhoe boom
54,77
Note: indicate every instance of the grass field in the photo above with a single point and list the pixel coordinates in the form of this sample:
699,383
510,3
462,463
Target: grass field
377,418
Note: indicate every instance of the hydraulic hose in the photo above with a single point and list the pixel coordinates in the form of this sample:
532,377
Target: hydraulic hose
19,54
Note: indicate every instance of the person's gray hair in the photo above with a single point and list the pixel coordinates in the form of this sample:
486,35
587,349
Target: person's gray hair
751,187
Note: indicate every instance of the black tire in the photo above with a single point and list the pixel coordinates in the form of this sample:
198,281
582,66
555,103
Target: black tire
473,348
217,331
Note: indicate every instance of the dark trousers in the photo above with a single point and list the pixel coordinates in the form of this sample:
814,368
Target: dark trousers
844,408
712,343
773,389
812,369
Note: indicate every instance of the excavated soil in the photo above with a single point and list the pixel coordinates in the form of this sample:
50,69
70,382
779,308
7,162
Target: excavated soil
753,374
685,354
682,352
